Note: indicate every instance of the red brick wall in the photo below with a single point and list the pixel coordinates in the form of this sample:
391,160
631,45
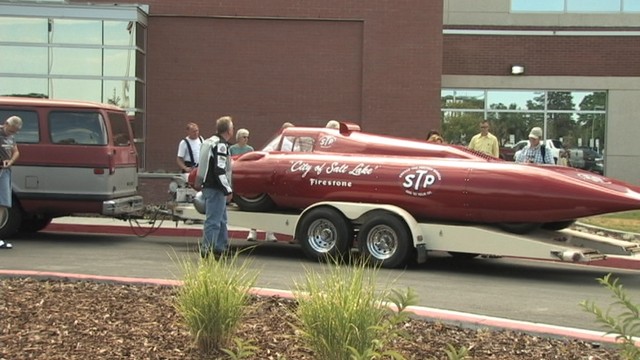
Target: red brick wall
377,63
542,55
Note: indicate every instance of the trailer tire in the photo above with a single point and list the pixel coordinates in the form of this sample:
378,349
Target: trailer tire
385,240
10,219
325,234
260,202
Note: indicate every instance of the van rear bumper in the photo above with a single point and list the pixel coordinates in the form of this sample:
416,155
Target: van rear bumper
122,206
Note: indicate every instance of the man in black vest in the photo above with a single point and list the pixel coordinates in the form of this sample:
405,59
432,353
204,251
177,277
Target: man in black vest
189,149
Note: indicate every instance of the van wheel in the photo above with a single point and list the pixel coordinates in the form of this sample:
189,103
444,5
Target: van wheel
10,219
385,240
34,224
325,234
259,202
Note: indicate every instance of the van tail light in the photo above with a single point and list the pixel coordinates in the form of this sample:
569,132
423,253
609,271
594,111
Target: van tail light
112,163
98,171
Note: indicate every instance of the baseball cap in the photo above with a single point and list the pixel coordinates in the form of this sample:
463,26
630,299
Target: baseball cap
536,133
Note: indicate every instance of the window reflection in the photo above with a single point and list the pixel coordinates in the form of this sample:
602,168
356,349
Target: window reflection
513,100
77,89
576,6
538,5
593,6
23,30
72,31
574,119
23,86
631,6
463,99
24,60
74,61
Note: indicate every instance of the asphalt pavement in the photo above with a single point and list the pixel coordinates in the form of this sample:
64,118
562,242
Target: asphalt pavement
101,225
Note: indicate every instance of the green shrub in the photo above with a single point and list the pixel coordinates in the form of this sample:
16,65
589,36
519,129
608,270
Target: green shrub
625,323
213,299
341,313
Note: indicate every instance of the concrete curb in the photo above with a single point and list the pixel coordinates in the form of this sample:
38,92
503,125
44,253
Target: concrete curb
446,316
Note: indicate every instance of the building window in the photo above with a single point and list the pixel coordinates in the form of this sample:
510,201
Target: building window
93,53
575,6
576,118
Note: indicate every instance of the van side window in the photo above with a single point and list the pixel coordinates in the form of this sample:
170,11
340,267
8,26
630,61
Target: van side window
30,132
77,128
119,129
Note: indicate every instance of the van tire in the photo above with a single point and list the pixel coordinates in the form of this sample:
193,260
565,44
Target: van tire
34,224
10,219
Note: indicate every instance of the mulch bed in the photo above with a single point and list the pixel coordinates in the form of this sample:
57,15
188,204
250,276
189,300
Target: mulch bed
57,319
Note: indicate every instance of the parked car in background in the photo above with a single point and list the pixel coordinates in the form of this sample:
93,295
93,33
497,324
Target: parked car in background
553,145
586,158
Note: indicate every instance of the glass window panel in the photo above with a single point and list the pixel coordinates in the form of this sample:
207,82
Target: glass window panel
119,93
64,31
462,99
77,128
30,132
593,5
89,90
73,61
119,33
24,60
560,100
119,62
537,5
513,100
561,126
511,127
23,30
460,126
631,5
120,129
23,86
590,101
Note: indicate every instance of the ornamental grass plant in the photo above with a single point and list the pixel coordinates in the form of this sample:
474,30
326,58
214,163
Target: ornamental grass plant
213,299
342,314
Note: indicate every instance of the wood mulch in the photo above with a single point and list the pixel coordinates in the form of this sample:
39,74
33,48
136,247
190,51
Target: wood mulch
57,319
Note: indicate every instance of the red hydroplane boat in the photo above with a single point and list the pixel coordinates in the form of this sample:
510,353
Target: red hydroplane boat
434,182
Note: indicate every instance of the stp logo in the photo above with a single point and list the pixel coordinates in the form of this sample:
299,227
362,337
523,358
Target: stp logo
419,180
327,141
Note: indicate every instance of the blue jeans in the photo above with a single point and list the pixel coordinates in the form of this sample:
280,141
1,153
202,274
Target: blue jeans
214,234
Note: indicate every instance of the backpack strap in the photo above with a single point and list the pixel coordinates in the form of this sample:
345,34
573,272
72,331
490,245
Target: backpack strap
543,151
191,159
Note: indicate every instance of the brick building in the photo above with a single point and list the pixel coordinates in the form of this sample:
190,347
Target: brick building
397,67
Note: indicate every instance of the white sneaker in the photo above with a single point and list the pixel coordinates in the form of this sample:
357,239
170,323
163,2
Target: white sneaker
271,237
253,235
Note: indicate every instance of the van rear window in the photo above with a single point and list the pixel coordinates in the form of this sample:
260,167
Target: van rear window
77,128
120,128
30,132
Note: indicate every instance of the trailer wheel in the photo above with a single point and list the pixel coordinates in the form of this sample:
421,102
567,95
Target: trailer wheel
325,234
259,202
555,226
385,240
10,219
